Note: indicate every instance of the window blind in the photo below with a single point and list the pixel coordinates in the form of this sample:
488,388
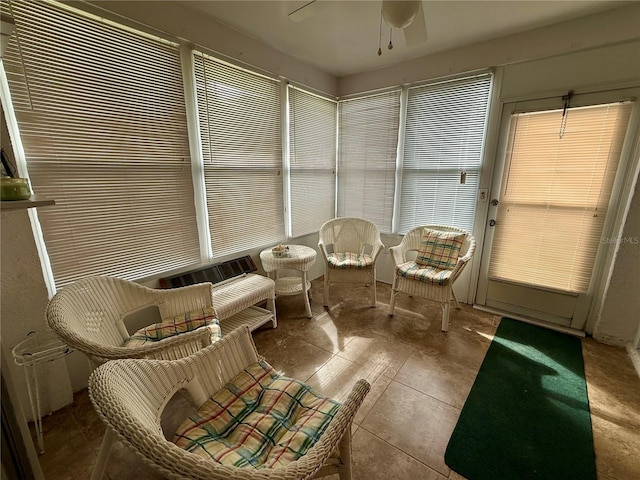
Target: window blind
367,160
312,160
554,195
240,129
101,115
444,136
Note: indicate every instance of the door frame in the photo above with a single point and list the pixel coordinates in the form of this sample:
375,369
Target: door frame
621,195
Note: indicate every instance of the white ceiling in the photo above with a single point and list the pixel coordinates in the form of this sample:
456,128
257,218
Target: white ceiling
341,37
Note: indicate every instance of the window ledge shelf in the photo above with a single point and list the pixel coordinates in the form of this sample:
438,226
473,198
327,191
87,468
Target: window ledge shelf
34,201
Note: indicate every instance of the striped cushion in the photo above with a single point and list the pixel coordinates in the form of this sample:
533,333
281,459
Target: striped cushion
414,271
260,420
186,322
348,260
439,249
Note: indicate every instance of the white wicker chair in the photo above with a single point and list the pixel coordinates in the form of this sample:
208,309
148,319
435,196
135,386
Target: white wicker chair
431,291
130,396
88,315
350,247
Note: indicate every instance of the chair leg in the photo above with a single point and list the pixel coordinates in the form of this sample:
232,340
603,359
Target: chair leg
374,298
103,456
455,299
344,448
326,288
392,303
445,316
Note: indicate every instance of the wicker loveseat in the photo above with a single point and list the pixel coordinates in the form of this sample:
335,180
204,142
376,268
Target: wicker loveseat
89,315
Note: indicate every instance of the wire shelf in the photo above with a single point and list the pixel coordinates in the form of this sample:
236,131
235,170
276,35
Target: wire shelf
39,348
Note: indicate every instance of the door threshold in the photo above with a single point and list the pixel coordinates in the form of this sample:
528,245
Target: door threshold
532,321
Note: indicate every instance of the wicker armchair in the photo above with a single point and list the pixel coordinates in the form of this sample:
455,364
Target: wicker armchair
440,291
350,247
88,315
130,396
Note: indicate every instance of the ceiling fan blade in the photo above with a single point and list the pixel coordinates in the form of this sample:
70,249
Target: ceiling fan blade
416,32
303,12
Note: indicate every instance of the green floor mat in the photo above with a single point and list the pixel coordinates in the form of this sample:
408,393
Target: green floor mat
527,415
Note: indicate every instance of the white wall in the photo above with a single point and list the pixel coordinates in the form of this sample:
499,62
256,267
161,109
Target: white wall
178,21
619,319
607,28
24,299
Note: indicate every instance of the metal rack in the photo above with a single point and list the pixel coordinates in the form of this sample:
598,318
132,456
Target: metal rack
36,349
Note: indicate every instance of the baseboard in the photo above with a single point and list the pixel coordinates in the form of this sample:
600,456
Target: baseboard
634,353
532,321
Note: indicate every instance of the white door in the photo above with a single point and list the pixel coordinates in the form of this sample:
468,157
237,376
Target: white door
557,175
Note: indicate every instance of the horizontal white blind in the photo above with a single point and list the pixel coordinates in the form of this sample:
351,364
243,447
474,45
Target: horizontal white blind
554,195
312,147
367,160
101,115
240,129
444,137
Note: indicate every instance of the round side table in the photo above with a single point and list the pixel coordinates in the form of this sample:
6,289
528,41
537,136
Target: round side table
298,257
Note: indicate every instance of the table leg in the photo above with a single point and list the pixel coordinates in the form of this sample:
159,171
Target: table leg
33,389
307,305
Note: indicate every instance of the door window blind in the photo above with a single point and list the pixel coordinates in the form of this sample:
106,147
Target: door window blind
443,143
312,164
554,195
240,129
367,160
101,115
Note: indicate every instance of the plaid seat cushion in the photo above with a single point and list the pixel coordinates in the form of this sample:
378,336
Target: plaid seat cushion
185,322
439,249
414,271
259,420
349,260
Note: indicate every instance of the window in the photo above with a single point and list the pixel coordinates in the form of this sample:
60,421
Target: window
101,115
312,160
556,190
240,130
443,144
367,162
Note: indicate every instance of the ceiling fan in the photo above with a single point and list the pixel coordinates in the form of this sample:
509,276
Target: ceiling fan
405,15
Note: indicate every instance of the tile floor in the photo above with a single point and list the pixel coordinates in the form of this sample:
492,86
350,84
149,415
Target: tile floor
420,377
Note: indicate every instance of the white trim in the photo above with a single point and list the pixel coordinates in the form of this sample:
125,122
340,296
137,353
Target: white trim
487,167
622,191
402,128
556,93
452,79
195,148
532,321
286,157
634,354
